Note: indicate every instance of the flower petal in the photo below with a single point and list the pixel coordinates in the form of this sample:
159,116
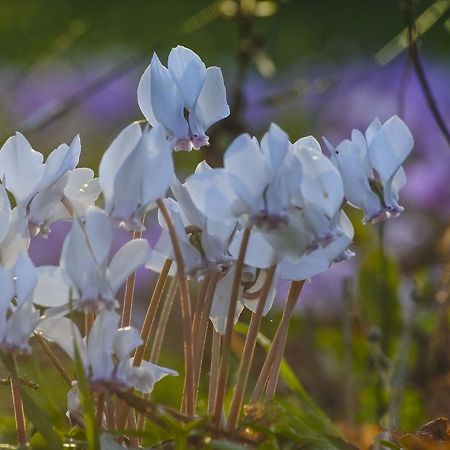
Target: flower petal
132,255
188,72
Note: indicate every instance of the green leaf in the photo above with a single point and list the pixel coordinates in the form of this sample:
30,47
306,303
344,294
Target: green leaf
38,417
389,444
87,402
223,445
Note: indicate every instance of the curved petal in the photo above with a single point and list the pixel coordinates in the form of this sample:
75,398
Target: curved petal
132,255
188,72
52,288
144,96
145,377
114,157
125,341
167,103
389,147
212,194
25,277
211,105
99,232
259,253
274,146
221,300
21,167
60,161
321,183
63,332
247,169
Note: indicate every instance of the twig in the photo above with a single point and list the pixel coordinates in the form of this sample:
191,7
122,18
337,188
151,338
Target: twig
420,72
247,354
226,345
185,310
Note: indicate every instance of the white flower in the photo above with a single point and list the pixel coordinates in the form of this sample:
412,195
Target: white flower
371,167
322,192
14,236
204,242
106,353
86,273
186,98
39,187
256,185
19,318
135,171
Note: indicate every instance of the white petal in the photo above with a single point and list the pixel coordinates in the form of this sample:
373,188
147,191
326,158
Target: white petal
143,378
114,157
5,213
60,161
306,267
63,332
167,103
17,239
130,256
212,194
247,170
144,95
21,167
389,147
53,287
211,105
125,341
25,276
188,72
259,253
309,142
99,231
274,146
321,184
221,302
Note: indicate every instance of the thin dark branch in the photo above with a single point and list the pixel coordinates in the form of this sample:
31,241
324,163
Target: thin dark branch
420,72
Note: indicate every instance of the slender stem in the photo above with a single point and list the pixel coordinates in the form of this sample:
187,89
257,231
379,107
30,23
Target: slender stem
185,310
18,407
294,292
110,413
202,329
53,358
129,288
247,355
88,321
226,346
215,361
100,409
276,343
151,312
163,320
199,306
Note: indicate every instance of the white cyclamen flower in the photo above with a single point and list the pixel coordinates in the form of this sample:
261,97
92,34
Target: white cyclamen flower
106,353
255,187
135,171
371,167
321,192
204,242
186,98
37,186
18,319
86,274
14,236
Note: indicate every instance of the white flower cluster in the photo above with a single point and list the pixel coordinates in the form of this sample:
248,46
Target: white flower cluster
289,195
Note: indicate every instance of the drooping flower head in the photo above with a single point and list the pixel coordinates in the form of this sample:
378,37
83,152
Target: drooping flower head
185,97
106,353
135,171
371,167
